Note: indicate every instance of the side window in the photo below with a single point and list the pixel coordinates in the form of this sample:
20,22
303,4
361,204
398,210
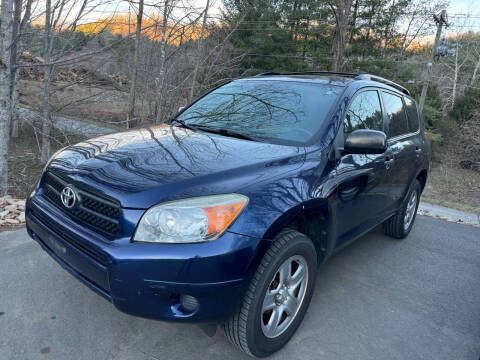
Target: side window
364,112
397,121
412,114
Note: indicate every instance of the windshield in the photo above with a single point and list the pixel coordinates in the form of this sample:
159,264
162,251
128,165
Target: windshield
275,111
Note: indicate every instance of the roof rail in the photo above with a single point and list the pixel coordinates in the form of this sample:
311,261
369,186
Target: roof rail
383,81
354,76
271,73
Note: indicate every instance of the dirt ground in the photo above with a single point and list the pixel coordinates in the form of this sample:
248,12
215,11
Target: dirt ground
102,103
453,186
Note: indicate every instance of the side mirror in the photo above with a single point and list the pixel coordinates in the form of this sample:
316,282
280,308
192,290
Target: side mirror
366,142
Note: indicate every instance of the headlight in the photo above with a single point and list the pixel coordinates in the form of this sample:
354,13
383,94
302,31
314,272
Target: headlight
190,220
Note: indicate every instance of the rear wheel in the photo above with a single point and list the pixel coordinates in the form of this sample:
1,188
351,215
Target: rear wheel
399,225
277,298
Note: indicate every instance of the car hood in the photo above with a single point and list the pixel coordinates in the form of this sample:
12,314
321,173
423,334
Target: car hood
143,167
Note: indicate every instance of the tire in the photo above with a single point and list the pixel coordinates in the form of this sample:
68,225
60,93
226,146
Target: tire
399,225
248,328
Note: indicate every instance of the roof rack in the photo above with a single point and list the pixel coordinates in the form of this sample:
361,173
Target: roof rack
354,76
383,81
270,73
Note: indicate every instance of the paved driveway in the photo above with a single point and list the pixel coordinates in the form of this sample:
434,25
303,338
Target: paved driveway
377,299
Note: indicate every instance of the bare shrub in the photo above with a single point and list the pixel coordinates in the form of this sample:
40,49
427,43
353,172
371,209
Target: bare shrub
469,142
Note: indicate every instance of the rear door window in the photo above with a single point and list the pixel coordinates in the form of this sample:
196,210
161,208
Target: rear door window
412,114
364,112
397,121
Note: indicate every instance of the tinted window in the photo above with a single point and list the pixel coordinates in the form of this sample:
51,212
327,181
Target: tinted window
272,110
412,114
364,112
396,116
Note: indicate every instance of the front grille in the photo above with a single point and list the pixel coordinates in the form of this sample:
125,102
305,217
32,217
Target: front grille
60,231
91,210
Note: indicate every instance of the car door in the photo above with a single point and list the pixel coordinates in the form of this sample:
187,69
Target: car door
362,194
403,145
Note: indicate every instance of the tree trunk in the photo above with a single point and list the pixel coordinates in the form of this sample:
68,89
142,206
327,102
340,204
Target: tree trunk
14,60
354,22
341,12
161,75
475,72
199,58
133,83
47,74
6,17
455,78
369,29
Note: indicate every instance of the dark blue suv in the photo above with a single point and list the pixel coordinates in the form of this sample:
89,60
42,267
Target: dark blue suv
222,214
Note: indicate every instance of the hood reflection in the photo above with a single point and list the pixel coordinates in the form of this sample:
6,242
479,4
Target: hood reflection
141,159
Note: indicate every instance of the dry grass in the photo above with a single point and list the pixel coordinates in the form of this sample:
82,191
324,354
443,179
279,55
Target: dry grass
24,163
454,186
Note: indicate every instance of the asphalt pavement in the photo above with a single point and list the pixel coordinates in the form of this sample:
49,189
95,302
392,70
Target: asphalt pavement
377,299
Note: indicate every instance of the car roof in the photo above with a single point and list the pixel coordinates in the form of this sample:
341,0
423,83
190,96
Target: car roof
335,78
318,79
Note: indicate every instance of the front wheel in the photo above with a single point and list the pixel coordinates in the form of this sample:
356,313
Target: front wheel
399,225
277,298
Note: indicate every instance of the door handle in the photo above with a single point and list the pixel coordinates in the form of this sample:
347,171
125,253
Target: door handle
389,160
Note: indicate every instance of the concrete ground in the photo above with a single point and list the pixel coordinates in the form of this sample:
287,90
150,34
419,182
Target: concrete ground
377,299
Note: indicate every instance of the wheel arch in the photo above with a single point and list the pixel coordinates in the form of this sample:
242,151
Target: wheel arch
422,178
311,218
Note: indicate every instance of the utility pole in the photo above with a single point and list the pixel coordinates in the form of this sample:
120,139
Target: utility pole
440,21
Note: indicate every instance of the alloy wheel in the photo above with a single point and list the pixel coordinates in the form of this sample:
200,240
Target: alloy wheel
284,296
410,212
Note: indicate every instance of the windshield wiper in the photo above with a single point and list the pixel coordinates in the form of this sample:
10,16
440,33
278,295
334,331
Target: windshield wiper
227,132
182,123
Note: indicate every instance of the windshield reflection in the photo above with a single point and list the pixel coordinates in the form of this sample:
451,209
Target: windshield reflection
277,111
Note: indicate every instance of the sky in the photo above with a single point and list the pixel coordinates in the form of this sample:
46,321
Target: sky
463,15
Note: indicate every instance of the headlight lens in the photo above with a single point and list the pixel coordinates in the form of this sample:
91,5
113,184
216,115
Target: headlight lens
190,220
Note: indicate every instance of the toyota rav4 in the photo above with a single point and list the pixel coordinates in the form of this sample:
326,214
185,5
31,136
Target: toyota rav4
222,214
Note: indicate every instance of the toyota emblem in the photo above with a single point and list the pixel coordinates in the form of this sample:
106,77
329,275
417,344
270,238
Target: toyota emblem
68,197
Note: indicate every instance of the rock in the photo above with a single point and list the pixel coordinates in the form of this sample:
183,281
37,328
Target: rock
4,213
21,217
11,201
20,203
2,222
11,207
12,221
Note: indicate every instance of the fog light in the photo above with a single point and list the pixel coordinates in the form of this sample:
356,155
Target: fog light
188,302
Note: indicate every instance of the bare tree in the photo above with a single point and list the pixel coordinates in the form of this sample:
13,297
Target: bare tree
200,43
167,10
341,13
6,24
62,16
475,54
133,81
47,72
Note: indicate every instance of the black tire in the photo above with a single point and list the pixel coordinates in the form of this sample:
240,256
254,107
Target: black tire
244,328
395,226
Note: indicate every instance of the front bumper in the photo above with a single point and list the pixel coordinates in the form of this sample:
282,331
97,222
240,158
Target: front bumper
147,279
